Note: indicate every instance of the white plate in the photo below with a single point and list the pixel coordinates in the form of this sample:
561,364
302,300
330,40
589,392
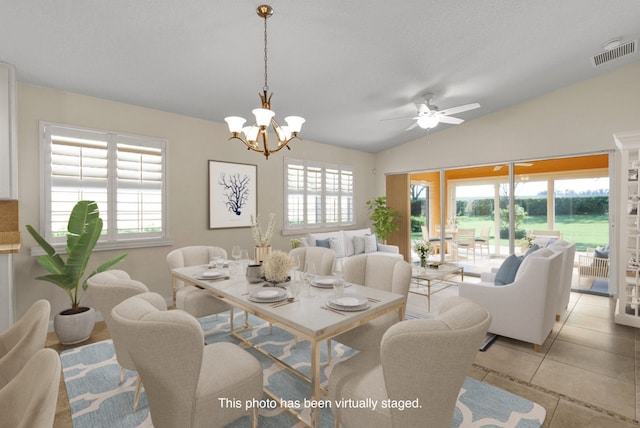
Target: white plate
348,302
268,295
211,274
324,281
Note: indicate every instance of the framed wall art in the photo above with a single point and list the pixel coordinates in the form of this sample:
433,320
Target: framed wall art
233,194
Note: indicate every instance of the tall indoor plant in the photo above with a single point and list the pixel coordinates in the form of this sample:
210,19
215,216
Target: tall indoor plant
83,230
383,217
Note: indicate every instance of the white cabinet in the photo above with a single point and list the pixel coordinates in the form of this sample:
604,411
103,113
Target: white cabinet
8,140
628,263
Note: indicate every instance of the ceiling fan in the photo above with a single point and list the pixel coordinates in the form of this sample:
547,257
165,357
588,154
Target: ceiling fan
499,167
429,116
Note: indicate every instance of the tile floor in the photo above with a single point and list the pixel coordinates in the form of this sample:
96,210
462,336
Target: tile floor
585,375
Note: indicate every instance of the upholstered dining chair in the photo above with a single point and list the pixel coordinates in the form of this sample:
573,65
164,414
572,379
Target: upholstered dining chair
381,272
321,258
193,300
482,240
466,240
107,289
184,380
29,399
23,339
424,359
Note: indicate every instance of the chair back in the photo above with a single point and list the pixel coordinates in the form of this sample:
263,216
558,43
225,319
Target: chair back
379,271
29,400
466,236
568,250
191,256
108,289
321,258
23,339
167,350
429,359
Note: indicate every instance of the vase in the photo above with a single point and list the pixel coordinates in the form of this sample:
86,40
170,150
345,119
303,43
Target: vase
261,253
423,261
75,327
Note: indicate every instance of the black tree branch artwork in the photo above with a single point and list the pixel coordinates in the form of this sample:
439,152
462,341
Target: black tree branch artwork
236,190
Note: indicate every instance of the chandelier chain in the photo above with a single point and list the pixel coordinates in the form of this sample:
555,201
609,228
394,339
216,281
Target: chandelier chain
266,86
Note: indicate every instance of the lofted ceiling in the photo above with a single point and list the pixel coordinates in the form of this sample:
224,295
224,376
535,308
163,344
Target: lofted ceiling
343,65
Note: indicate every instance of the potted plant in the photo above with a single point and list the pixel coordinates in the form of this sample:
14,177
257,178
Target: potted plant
74,325
383,217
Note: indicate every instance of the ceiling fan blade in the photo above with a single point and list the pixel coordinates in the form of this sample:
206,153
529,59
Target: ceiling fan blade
412,126
460,109
524,164
423,109
451,120
401,118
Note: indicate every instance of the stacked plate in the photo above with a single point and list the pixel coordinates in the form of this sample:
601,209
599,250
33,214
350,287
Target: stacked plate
323,281
348,302
268,295
210,274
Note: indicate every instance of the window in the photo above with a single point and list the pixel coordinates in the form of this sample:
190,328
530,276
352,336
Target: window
124,174
317,195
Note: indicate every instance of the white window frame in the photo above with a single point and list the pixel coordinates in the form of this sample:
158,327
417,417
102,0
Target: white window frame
323,193
112,239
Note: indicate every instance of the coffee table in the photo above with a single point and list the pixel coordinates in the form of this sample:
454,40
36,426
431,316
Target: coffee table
307,318
424,279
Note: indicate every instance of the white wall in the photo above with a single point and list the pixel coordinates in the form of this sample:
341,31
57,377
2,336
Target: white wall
191,143
578,119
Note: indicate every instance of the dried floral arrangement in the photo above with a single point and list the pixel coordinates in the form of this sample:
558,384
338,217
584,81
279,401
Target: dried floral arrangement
262,238
277,265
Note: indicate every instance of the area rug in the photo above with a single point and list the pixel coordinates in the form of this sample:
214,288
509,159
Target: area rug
97,400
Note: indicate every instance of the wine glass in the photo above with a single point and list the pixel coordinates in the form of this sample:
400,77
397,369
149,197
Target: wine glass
236,252
244,261
309,277
296,267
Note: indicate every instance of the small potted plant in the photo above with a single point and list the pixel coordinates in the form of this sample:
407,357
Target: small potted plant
383,217
75,324
261,237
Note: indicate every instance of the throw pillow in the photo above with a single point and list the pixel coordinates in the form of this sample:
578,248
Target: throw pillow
358,245
531,249
337,246
323,243
601,252
507,271
370,243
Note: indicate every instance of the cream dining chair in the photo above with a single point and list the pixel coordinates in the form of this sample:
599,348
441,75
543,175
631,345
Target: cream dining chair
23,339
381,272
108,289
424,359
466,240
185,380
29,399
193,300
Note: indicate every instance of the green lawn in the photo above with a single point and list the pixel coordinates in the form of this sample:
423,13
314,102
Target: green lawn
584,230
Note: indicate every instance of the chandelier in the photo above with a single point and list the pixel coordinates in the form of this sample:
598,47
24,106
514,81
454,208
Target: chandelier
256,136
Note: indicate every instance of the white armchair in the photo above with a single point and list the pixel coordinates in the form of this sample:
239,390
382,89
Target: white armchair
568,250
525,309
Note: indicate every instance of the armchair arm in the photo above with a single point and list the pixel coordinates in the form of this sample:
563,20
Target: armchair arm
394,249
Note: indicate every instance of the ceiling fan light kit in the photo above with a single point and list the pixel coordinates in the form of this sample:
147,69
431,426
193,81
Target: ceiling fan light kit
256,136
429,116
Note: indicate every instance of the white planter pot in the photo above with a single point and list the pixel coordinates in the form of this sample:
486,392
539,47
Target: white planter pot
74,328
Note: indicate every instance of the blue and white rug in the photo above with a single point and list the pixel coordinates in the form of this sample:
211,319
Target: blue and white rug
97,400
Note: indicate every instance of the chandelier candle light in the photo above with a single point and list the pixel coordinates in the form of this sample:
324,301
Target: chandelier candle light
256,136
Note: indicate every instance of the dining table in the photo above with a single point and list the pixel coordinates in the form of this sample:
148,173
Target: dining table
312,315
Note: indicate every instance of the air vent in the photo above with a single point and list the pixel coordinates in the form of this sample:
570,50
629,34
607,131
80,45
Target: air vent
615,53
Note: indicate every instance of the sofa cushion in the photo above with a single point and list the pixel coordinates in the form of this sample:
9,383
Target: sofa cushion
507,271
349,249
370,243
339,244
324,243
358,245
601,252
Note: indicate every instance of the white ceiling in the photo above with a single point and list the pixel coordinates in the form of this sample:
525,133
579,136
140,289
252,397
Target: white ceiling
343,65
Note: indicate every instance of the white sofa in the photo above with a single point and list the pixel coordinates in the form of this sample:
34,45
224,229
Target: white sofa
342,242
